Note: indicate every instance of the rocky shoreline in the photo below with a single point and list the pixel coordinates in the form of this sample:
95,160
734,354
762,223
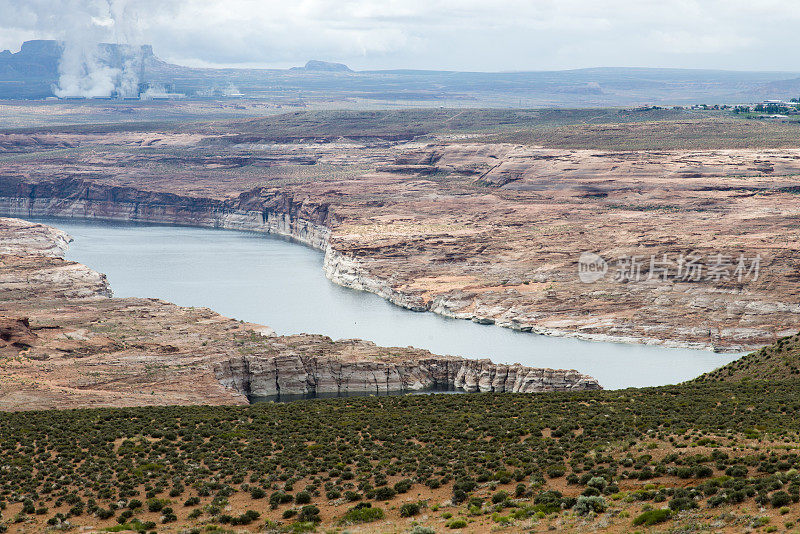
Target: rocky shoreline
66,343
266,211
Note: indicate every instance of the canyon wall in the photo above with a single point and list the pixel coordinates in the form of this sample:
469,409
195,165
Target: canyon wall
298,374
255,210
424,254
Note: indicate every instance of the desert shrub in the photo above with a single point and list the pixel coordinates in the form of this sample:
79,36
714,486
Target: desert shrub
409,509
555,472
736,471
352,496
703,471
549,501
384,494
103,513
403,486
362,513
310,513
681,503
278,498
598,483
780,498
585,505
499,497
155,505
652,517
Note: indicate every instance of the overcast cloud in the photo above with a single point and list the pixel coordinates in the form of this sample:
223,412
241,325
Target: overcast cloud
430,34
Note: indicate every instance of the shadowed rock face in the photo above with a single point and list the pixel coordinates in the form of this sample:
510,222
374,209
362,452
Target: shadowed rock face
15,333
299,374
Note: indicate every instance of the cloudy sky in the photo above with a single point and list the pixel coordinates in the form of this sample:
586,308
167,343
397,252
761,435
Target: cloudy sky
429,34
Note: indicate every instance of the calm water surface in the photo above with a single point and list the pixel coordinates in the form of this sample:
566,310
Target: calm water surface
275,282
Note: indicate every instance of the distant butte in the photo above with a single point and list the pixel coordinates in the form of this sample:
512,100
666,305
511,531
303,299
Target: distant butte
324,66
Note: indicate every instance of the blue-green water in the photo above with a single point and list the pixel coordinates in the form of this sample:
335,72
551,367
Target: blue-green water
275,282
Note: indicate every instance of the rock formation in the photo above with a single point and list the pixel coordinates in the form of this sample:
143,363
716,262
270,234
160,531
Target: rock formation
15,333
300,374
485,232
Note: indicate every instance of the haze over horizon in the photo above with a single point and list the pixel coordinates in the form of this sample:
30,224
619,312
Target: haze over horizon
439,35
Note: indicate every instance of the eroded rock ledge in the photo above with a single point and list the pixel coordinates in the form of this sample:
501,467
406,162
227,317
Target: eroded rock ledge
298,374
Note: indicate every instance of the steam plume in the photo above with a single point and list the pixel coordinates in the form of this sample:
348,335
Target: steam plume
88,68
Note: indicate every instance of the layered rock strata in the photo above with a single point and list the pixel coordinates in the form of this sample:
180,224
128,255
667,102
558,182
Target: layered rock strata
299,374
486,232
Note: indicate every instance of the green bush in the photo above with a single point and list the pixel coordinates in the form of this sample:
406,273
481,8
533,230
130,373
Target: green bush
155,505
585,505
403,486
352,496
653,517
409,509
556,472
780,498
362,513
384,493
598,483
310,513
104,514
500,496
682,503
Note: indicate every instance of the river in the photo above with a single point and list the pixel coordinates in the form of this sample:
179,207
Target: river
273,281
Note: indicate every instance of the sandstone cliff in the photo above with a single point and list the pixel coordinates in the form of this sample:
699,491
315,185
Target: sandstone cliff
31,265
300,374
257,210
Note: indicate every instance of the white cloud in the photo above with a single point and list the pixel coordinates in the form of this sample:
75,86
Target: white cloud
685,42
454,34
